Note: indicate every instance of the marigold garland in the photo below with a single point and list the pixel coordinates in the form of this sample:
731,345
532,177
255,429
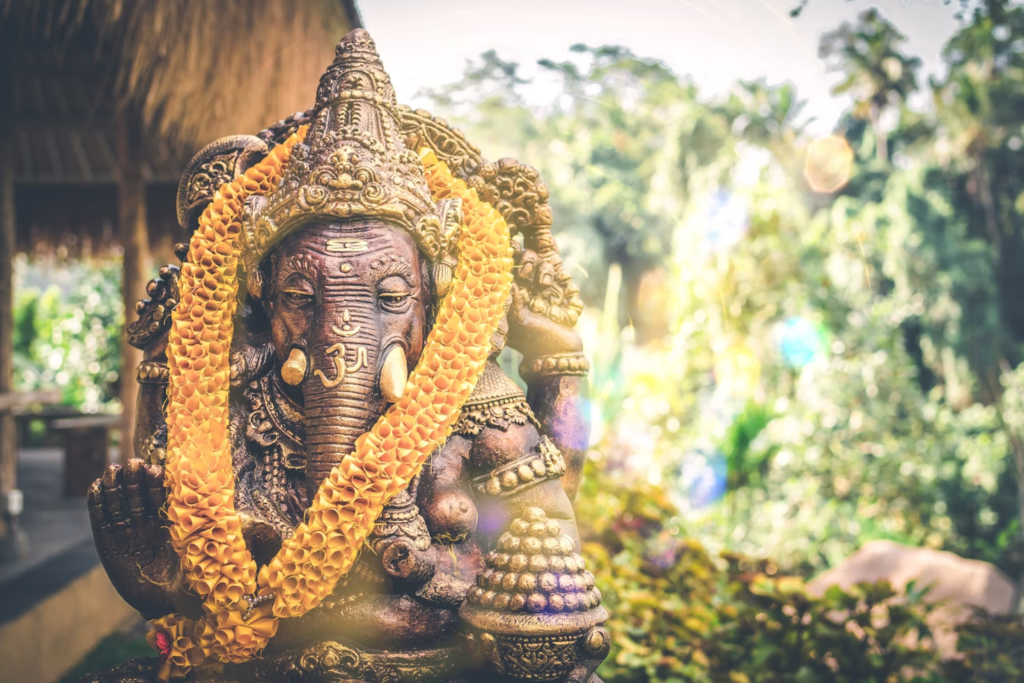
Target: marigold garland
205,529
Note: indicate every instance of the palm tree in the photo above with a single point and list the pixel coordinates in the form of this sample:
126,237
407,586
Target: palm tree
878,75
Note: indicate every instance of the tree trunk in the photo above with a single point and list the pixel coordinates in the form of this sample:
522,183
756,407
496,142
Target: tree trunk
1018,461
988,204
8,435
881,139
135,242
1017,447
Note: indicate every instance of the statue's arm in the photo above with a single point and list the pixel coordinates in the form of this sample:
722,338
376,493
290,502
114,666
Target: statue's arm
131,536
559,403
149,333
553,366
125,504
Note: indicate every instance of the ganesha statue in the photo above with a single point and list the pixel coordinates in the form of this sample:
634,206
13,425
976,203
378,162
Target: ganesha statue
335,480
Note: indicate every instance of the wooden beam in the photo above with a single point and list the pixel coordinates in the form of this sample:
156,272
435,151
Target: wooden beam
80,155
8,228
8,432
51,147
135,241
111,421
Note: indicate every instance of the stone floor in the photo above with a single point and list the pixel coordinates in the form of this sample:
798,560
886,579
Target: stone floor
56,584
50,524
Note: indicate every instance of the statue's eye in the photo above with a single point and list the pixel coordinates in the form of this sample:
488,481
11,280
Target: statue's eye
394,302
297,297
394,294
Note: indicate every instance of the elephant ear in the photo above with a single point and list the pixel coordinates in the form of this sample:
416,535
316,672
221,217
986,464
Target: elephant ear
222,161
219,162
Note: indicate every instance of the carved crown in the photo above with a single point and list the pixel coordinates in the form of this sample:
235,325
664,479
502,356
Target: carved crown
353,164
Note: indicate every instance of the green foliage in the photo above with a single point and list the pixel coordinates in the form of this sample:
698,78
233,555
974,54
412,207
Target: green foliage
679,614
72,342
868,54
992,648
747,466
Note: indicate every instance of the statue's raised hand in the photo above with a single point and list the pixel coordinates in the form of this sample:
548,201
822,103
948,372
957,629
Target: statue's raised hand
537,324
131,536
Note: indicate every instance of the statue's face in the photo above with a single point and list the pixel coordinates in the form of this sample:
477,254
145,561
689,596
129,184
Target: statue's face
344,298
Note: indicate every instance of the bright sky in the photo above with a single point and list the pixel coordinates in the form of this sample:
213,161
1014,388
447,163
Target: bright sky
425,43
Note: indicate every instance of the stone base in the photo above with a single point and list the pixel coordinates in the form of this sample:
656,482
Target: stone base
321,663
330,662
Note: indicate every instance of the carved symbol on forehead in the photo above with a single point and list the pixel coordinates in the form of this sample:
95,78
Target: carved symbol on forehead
347,329
341,246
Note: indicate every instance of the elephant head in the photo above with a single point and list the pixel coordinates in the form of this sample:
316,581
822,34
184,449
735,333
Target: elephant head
348,304
347,255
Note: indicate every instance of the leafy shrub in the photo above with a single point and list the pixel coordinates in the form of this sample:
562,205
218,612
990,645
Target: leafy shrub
678,614
846,354
72,340
992,649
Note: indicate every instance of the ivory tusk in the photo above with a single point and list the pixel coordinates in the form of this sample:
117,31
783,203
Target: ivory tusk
294,369
394,374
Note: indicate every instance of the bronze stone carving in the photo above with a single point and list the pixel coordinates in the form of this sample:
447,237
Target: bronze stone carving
473,571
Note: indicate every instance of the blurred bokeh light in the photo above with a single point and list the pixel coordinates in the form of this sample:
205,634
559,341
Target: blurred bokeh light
800,342
702,479
829,164
726,221
737,369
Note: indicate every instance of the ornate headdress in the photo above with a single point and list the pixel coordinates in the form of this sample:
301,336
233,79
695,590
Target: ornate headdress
353,164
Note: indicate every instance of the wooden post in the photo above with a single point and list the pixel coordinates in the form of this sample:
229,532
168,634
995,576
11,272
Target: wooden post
8,433
135,242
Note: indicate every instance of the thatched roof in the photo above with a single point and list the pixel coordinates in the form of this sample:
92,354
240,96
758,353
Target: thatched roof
64,130
197,69
193,70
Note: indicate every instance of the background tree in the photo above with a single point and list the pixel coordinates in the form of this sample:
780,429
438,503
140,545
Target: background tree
875,72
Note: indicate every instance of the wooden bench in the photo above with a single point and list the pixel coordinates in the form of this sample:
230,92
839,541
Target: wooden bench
86,437
86,449
35,424
16,399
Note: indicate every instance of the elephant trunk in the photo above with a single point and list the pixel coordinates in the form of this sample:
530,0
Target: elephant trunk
340,405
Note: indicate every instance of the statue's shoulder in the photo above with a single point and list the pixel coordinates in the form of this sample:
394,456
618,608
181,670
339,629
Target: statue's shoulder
496,402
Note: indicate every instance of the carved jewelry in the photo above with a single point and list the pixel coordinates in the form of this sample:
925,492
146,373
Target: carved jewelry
152,372
556,364
514,477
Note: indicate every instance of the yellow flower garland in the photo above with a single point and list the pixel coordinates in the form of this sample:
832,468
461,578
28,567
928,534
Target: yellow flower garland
205,530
